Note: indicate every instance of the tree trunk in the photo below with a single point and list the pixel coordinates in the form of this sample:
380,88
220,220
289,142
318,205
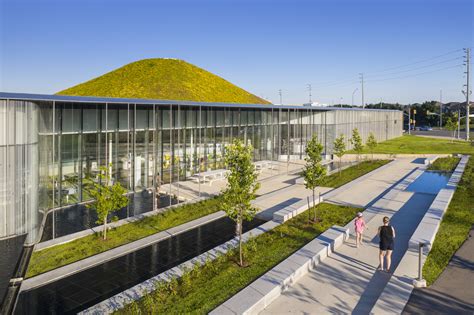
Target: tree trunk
240,242
105,228
314,208
309,210
340,163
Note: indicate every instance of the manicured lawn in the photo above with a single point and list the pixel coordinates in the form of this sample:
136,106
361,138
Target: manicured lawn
206,287
60,255
454,228
413,144
445,164
349,174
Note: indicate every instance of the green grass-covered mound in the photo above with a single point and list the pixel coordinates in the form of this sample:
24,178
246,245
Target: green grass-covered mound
167,79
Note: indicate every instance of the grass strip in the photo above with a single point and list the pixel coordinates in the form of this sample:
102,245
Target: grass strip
349,174
64,254
454,228
205,287
445,164
421,145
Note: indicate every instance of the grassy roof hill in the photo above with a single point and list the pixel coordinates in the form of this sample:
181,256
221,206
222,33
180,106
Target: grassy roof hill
167,79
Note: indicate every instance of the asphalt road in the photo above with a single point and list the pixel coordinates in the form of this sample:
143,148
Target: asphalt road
452,292
439,133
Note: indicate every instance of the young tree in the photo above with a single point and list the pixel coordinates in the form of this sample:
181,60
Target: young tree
451,126
313,171
340,149
356,142
371,143
107,197
241,187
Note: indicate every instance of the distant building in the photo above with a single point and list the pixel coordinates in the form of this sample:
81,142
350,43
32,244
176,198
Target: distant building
316,104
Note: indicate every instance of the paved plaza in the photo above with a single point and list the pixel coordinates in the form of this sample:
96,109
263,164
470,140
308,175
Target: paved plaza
348,281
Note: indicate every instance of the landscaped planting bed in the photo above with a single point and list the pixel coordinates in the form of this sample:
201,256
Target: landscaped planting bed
445,164
421,145
61,255
349,174
454,228
205,287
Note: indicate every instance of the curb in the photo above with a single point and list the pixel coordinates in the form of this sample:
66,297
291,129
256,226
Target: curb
89,262
263,291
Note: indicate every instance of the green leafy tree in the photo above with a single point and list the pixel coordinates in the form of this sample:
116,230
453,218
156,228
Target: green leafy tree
107,197
241,187
451,125
356,142
340,149
371,143
313,171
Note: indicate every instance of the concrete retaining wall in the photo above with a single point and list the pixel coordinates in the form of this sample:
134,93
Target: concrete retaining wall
263,291
289,212
429,225
89,262
128,296
98,229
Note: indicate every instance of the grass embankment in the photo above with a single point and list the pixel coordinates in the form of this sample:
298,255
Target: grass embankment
206,287
421,145
349,174
166,79
445,164
454,228
60,255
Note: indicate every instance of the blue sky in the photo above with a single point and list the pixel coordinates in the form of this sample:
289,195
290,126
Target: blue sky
260,45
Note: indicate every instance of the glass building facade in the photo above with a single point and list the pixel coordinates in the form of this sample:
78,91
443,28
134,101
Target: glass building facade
48,144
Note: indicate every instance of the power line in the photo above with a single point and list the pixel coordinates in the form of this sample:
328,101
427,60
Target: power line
414,75
417,68
417,62
330,83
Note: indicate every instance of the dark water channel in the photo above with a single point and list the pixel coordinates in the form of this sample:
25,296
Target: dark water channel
430,182
78,217
89,287
10,252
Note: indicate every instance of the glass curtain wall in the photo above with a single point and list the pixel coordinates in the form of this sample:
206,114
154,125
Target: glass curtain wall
148,146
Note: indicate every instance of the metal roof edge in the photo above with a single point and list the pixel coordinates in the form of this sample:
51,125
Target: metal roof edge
93,99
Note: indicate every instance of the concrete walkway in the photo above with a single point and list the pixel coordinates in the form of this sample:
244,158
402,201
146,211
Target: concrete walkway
452,292
348,281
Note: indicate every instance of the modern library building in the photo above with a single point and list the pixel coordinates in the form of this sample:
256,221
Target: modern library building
50,143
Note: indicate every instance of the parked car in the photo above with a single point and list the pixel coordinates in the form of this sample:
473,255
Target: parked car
425,128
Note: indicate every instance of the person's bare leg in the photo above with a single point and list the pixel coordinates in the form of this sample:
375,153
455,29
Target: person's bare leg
360,238
389,259
357,239
381,254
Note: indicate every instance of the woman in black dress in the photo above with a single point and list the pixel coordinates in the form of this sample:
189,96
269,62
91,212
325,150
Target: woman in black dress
387,234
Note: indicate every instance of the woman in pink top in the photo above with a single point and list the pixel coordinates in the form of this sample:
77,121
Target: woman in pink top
359,224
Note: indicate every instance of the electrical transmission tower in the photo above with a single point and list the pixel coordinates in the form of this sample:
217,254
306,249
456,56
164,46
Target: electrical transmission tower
468,91
309,90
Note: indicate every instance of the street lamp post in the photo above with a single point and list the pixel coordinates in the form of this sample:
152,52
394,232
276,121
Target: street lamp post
353,96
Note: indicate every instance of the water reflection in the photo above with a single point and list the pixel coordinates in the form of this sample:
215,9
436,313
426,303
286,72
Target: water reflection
77,218
430,182
86,288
